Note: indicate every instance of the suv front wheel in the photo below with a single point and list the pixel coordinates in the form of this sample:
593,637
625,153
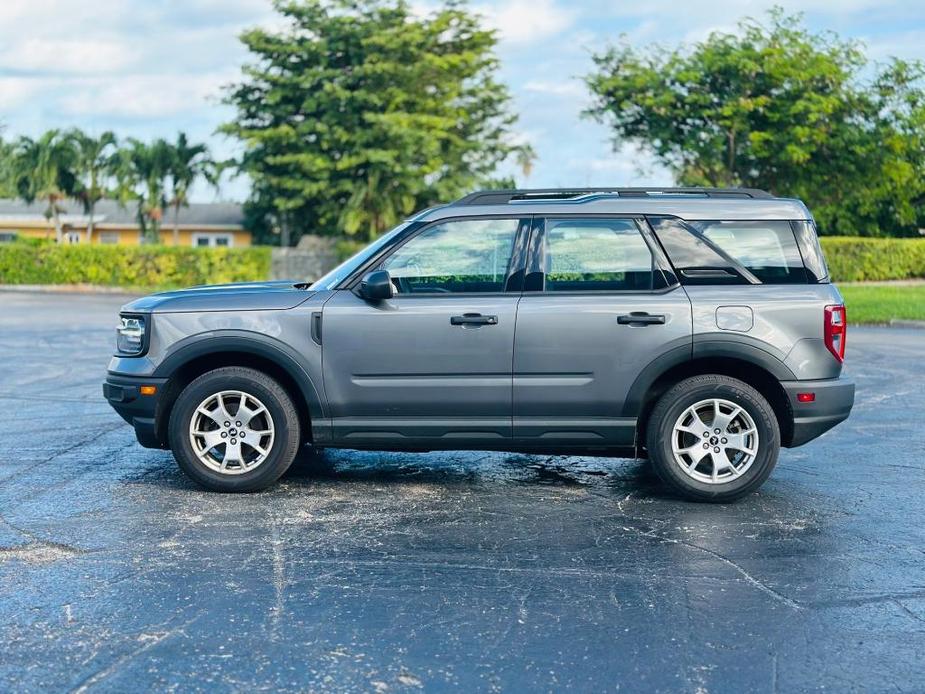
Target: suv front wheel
713,438
234,429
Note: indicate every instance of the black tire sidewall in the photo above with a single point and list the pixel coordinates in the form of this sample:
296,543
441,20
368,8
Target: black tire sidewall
693,390
277,402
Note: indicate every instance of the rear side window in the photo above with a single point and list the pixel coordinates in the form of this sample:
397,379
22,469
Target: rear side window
732,252
596,255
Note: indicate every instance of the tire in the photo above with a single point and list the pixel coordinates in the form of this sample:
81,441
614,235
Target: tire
699,396
243,468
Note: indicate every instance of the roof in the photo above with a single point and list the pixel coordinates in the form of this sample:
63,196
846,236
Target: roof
687,203
110,212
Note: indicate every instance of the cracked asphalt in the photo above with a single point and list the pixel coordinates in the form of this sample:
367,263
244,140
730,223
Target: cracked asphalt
470,571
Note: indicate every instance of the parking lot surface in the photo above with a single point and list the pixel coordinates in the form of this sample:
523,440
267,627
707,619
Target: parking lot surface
469,571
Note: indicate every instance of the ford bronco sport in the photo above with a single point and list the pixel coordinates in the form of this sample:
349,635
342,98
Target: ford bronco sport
696,327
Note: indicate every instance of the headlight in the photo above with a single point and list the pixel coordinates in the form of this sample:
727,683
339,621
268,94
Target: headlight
130,335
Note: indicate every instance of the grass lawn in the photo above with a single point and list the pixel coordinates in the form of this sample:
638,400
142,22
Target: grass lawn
877,303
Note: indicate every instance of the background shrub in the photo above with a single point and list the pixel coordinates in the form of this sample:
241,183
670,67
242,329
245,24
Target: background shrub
137,267
850,259
855,259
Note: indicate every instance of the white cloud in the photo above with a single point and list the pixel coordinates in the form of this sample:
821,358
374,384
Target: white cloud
520,21
908,44
16,91
69,56
144,96
571,88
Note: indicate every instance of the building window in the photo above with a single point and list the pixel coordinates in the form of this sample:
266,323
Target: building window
8,236
72,237
109,237
212,240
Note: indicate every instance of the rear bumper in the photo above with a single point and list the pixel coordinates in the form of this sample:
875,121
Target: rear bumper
834,399
123,393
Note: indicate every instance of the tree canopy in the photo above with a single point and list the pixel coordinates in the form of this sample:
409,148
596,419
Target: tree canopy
778,107
358,112
72,164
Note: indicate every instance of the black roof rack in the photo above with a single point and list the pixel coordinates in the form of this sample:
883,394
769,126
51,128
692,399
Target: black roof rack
502,197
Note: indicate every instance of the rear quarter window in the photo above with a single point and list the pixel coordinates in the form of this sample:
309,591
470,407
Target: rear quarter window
726,252
767,249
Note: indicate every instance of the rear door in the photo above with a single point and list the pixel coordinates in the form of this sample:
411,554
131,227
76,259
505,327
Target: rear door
430,367
596,310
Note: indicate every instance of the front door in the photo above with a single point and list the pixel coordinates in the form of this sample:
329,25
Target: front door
595,312
430,367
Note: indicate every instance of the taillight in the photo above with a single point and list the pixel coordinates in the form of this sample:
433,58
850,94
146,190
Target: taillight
836,330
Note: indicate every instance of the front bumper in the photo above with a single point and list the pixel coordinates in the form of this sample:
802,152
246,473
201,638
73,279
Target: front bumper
834,399
141,411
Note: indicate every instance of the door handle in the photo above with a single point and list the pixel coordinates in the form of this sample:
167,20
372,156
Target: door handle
473,319
641,318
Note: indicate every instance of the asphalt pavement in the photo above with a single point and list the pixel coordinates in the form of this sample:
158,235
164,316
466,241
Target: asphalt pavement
460,571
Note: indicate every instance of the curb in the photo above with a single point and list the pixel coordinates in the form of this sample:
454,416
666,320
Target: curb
903,323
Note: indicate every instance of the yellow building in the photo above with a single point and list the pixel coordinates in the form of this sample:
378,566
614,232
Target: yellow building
201,224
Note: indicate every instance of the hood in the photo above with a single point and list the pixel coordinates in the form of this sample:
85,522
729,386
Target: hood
244,296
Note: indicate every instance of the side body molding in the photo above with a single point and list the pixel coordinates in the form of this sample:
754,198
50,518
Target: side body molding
247,342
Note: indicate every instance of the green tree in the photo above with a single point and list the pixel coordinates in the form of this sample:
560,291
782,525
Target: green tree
44,169
188,163
142,171
6,188
776,106
358,112
95,166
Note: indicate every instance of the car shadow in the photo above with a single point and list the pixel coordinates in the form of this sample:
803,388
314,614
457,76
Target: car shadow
451,468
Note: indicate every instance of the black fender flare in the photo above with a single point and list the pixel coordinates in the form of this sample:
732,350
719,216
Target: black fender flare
709,348
243,341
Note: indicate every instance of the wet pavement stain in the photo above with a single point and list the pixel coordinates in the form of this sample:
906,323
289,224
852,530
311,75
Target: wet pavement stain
470,571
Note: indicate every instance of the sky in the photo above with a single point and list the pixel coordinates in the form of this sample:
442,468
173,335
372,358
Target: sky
150,68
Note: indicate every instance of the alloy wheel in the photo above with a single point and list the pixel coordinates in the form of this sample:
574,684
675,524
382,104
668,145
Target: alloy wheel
231,432
714,441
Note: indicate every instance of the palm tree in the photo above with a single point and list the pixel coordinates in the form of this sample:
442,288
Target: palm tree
95,166
188,163
141,171
44,169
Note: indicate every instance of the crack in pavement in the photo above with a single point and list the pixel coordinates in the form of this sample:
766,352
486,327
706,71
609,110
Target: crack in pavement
150,642
763,587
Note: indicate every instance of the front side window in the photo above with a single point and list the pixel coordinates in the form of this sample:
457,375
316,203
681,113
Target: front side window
342,271
456,256
596,255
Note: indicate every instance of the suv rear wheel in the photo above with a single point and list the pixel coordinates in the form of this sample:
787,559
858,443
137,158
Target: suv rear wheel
234,429
713,438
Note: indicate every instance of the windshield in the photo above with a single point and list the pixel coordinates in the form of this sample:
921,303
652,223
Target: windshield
338,274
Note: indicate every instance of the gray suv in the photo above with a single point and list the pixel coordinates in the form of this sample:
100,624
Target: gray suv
696,327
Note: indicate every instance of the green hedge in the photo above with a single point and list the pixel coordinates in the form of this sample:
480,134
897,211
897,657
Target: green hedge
137,267
855,259
850,259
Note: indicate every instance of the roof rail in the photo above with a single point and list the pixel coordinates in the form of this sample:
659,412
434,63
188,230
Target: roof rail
502,197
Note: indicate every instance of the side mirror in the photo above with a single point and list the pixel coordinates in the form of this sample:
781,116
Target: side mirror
376,286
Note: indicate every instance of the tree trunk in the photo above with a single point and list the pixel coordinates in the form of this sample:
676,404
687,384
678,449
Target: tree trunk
176,224
59,232
90,224
284,238
731,158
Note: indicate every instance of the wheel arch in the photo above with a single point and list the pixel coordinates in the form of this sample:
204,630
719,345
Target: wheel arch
749,364
195,356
